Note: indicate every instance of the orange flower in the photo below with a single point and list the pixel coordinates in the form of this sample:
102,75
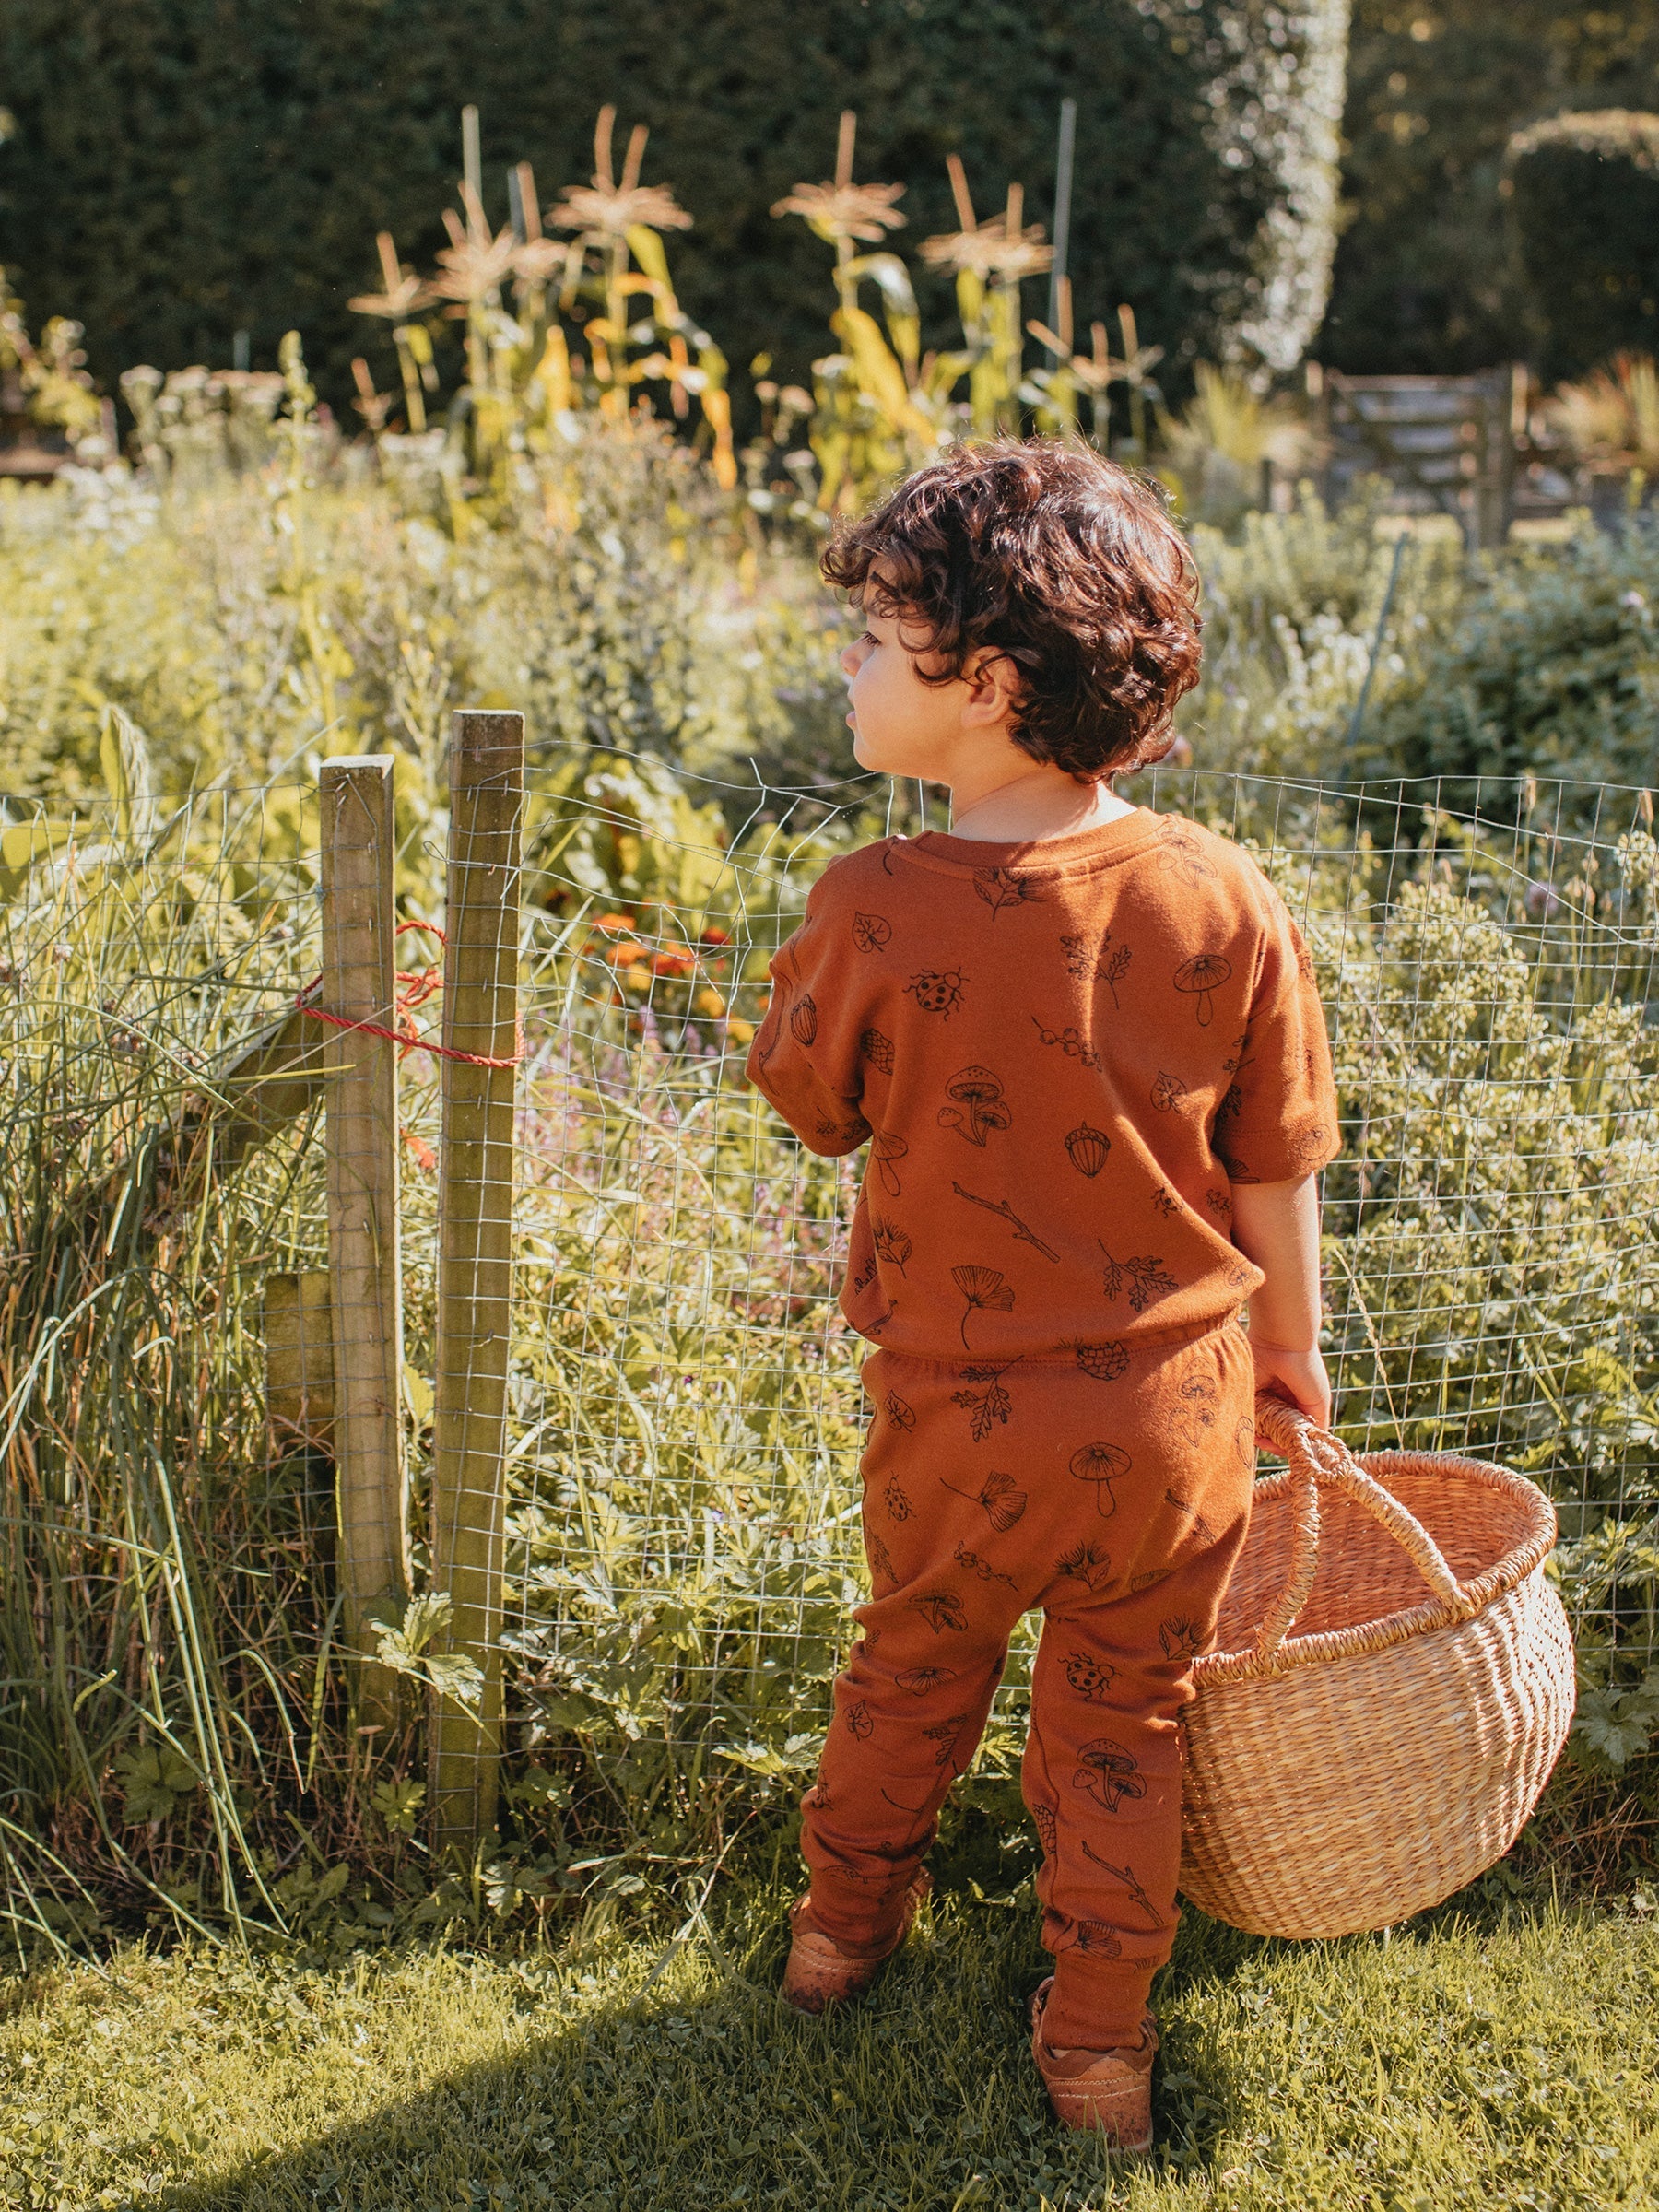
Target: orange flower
625,954
612,922
672,962
716,937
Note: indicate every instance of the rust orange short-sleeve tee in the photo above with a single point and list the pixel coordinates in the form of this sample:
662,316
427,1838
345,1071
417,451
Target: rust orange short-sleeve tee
1062,1055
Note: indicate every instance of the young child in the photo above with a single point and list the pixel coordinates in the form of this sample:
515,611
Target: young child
1083,1045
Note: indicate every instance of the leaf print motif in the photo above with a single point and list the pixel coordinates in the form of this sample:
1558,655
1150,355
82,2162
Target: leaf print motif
1070,1042
944,1734
941,1609
979,1105
871,933
1180,1638
1079,955
1023,1233
1148,1280
1090,1677
859,1722
897,1501
886,1150
1166,1090
986,1406
919,1680
937,991
897,1412
982,1567
984,1291
803,1021
1108,1773
877,1050
892,1246
1115,969
1086,1149
1002,1497
1048,1831
1002,887
1104,1361
1198,978
1099,1939
1088,1564
1103,1464
879,1557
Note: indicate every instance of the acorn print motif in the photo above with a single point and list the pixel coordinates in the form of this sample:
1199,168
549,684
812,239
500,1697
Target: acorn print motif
803,1021
871,933
1086,1149
1203,973
1102,1465
937,991
978,1105
1108,1773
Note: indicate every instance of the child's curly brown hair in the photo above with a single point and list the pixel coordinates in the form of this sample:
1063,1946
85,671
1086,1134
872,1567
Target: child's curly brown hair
1062,561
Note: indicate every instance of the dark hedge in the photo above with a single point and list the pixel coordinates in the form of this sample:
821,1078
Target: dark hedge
1586,203
184,169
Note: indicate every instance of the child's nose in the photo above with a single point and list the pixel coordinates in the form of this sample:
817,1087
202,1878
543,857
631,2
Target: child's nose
852,661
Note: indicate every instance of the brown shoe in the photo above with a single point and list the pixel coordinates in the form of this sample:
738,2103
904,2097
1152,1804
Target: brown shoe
1105,2092
821,1972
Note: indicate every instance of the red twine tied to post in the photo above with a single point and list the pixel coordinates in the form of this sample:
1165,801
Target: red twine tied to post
413,991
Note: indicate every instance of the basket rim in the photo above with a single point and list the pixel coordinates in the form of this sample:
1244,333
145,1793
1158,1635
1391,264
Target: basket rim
1524,1559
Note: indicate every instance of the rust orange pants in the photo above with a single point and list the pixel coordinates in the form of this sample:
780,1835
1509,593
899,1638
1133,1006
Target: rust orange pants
1111,1490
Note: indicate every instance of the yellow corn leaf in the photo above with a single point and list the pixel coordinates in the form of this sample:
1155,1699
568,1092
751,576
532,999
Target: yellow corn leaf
647,249
124,757
879,373
22,845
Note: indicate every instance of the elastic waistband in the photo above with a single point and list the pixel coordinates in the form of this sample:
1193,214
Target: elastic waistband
1155,1341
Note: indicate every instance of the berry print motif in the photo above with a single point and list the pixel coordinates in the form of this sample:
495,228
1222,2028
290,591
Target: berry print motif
1165,1202
1199,977
1148,1280
1047,1827
984,1406
1180,1638
943,1734
1091,1678
877,1050
885,1152
901,1414
897,1499
1088,1564
803,1021
1070,1043
1002,1497
893,1248
859,1722
1108,1775
919,1680
1086,1149
1166,1090
1023,1231
1126,1875
1103,1464
984,1291
1219,1203
937,991
941,1609
1104,1361
982,1567
871,933
979,1105
1001,887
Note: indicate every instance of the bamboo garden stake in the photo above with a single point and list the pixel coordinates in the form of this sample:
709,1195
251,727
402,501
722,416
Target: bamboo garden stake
480,1022
359,985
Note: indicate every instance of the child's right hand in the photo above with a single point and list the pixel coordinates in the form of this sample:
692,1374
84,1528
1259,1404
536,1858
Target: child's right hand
1298,1378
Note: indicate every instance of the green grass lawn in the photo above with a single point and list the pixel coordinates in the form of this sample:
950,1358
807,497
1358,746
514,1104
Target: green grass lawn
1509,2056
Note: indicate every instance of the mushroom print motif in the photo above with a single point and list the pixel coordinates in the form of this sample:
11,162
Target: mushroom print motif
985,1290
871,932
1086,1149
999,1494
1205,972
803,1021
1108,1775
1102,1465
941,1609
937,991
885,1151
979,1106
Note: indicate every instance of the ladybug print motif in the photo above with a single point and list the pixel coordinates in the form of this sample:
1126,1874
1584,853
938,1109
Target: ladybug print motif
938,991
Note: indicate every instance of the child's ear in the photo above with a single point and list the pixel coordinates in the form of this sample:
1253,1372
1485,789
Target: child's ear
994,688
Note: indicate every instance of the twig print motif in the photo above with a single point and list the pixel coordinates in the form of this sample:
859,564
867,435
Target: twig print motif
1023,1233
1180,1637
897,1500
803,1021
1198,978
1104,1361
871,933
978,1105
878,1049
1002,887
919,1680
937,991
982,1567
1103,1464
887,1151
892,1246
1126,1875
859,1722
1091,1678
1070,1042
1108,1773
1087,1148
1166,1090
985,1291
1088,1564
1147,1278
984,1406
1000,1495
941,1609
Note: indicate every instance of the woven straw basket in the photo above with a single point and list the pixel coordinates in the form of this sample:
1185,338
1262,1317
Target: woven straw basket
1363,1769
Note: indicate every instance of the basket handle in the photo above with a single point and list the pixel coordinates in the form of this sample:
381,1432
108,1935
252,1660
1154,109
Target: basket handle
1317,1456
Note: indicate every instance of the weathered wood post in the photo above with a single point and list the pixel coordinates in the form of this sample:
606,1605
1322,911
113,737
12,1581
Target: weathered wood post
475,1254
360,1079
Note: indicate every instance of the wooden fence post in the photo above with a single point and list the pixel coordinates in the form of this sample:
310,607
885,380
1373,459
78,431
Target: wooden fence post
475,1254
360,1077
